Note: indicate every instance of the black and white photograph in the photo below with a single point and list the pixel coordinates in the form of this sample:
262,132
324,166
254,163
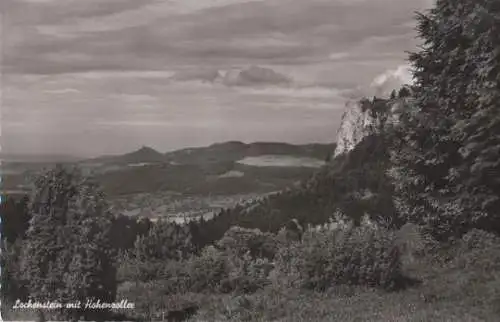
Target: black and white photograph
250,160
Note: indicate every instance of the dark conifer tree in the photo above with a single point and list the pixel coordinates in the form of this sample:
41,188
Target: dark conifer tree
447,143
67,254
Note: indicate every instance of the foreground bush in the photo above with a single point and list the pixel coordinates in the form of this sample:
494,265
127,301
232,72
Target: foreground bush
154,300
239,241
208,272
217,271
415,243
479,239
477,249
365,255
179,284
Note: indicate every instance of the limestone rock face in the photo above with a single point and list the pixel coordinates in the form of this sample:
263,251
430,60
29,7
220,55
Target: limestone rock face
357,123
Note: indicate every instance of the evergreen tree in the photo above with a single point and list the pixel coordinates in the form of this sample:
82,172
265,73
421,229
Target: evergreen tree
478,176
12,284
15,218
403,92
67,255
165,241
448,139
328,157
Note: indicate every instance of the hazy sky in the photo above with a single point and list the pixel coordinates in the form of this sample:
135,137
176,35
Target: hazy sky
92,77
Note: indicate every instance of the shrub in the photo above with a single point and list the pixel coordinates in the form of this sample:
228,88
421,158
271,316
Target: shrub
238,241
365,255
244,308
479,239
414,242
133,269
154,299
476,250
246,274
268,305
164,241
217,271
208,271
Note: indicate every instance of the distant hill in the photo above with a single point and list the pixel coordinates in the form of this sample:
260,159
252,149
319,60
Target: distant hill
211,169
221,168
233,151
143,155
37,158
230,151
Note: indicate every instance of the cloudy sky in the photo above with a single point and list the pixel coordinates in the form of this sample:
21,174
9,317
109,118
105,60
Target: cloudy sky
108,76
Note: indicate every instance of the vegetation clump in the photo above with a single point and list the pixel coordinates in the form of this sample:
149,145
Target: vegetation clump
365,255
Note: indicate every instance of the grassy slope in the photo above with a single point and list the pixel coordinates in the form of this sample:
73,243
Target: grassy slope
462,291
466,289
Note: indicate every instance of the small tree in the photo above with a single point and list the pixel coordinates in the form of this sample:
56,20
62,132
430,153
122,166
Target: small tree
15,218
165,241
404,92
328,157
67,255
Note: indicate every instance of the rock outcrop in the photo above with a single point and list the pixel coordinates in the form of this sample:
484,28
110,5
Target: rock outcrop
364,117
355,125
360,120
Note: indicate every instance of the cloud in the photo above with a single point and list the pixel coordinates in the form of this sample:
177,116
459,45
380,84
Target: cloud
205,75
120,56
135,123
383,84
250,76
62,91
296,92
392,79
100,35
338,56
134,99
254,76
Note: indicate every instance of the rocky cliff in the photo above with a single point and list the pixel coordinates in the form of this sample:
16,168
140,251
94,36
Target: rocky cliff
354,126
363,117
366,117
